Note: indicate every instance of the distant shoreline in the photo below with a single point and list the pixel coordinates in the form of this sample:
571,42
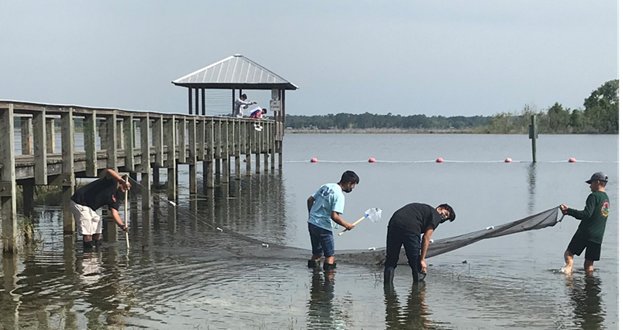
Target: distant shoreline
380,131
415,131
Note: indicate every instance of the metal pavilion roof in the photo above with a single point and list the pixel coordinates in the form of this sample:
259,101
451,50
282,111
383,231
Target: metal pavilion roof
234,72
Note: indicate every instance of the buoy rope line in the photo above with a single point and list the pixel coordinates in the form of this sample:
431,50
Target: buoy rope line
441,160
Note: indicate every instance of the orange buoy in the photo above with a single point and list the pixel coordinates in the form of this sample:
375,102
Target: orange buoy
508,160
439,160
371,160
572,160
314,160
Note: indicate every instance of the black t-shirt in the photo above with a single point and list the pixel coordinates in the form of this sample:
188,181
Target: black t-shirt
415,218
99,193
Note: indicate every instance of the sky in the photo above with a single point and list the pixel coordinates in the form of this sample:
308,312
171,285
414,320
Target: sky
448,58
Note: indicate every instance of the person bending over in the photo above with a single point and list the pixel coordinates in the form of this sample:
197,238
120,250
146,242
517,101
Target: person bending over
405,228
109,190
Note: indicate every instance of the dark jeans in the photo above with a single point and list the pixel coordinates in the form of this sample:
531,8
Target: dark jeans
321,241
396,238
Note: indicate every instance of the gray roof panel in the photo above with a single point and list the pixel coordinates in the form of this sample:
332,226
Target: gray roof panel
234,72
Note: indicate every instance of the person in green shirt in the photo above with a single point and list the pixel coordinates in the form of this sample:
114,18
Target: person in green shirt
590,232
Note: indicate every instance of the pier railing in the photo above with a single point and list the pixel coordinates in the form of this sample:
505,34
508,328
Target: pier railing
44,144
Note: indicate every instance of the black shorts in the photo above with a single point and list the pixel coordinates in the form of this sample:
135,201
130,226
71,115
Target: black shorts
577,245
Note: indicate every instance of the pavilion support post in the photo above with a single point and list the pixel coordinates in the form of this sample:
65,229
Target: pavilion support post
203,101
8,189
190,101
196,101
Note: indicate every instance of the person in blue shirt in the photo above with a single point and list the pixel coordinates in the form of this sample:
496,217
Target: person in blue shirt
325,209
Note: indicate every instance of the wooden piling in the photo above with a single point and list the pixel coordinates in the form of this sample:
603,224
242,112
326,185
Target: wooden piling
8,189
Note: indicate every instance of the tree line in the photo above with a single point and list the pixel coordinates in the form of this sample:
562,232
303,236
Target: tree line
600,115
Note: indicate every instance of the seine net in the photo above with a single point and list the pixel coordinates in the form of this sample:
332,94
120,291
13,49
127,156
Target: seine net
547,218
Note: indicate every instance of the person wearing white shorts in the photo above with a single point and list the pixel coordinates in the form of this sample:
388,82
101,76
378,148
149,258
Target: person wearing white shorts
108,190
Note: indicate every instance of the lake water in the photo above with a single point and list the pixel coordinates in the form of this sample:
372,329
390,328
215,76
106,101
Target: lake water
196,266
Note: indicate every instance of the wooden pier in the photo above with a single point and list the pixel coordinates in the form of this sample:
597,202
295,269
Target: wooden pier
45,144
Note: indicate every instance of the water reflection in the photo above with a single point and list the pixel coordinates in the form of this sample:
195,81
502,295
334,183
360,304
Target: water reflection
585,294
531,187
320,312
412,316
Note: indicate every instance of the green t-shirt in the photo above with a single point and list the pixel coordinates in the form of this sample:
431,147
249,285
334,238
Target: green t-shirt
593,217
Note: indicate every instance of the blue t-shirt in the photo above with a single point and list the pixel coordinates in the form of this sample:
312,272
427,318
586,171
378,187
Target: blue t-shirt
327,199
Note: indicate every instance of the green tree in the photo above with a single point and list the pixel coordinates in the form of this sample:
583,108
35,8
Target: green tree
557,119
602,108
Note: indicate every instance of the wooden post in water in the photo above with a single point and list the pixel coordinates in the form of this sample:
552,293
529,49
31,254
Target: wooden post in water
8,189
171,164
237,146
67,176
248,136
208,163
41,157
128,143
533,134
257,145
192,156
50,135
90,135
26,130
225,151
145,163
218,147
158,141
111,142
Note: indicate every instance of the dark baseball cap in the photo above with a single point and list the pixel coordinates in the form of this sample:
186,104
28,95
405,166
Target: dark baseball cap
598,176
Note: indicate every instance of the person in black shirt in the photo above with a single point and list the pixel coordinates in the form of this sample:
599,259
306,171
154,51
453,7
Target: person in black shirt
109,190
405,228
